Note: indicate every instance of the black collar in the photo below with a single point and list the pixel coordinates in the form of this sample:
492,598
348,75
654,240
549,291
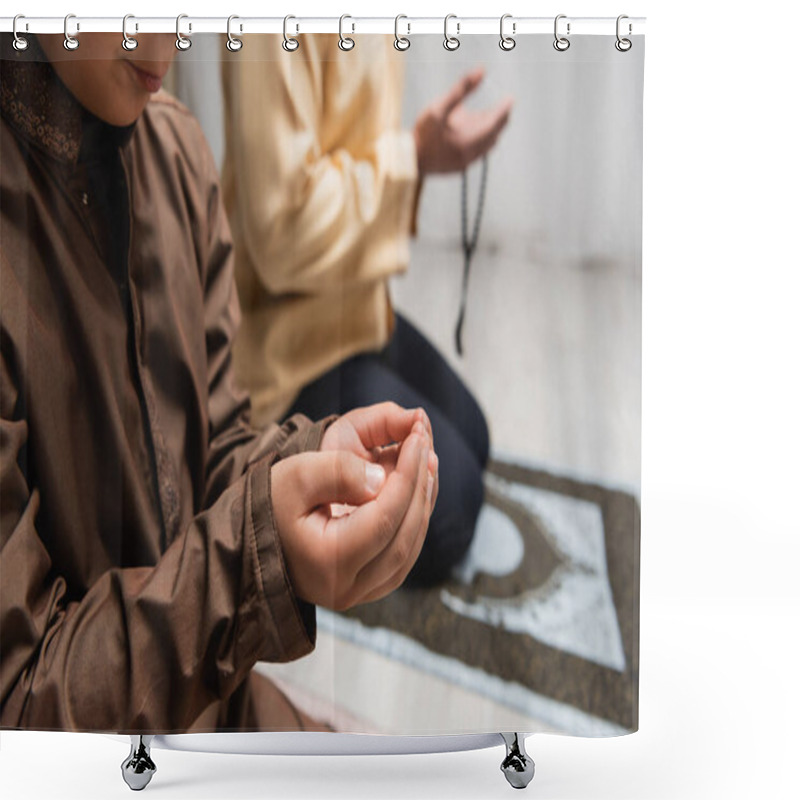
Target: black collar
99,139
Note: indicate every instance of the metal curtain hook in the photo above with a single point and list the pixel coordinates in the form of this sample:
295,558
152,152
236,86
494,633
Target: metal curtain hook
345,42
290,44
20,42
561,43
451,42
70,42
128,42
233,44
507,42
182,42
401,42
623,45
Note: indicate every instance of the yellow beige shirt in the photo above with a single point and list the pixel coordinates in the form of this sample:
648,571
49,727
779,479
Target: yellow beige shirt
319,182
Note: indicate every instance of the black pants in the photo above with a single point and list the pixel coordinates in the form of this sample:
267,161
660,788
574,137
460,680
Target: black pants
411,372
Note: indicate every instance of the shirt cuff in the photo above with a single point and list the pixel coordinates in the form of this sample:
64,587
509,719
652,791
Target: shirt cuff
294,621
398,151
302,435
415,206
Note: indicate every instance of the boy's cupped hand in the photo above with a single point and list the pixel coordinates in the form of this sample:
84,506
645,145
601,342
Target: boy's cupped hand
379,462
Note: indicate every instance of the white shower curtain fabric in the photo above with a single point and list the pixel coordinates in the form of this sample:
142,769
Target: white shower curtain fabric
453,230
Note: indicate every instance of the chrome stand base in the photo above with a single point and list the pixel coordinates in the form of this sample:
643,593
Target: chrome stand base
138,768
517,766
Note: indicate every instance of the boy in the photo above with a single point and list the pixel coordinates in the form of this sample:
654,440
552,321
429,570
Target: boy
154,546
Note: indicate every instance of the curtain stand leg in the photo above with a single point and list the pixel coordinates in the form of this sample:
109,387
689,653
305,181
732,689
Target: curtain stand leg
138,768
517,766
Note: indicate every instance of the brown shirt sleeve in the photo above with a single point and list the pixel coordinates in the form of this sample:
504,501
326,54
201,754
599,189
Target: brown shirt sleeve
145,649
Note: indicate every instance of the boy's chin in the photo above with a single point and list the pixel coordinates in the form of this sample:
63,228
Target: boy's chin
123,114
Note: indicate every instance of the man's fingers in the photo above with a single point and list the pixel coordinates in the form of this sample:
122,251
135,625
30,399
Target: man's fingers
387,457
423,423
390,567
371,527
467,84
480,130
433,468
499,116
386,423
480,145
396,580
334,477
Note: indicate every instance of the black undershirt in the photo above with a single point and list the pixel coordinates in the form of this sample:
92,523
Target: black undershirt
108,190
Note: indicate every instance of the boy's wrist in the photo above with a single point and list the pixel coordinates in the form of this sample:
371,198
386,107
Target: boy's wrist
303,435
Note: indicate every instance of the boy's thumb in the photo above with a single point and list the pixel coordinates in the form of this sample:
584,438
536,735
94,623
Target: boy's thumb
337,476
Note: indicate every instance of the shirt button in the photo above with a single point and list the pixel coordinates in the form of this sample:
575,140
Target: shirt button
85,198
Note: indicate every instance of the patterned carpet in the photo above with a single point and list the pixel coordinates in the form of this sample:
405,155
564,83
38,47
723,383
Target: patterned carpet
546,604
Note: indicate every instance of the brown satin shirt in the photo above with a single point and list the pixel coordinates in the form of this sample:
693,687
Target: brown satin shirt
141,573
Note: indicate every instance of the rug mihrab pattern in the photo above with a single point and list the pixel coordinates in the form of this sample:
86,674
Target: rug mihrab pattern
549,598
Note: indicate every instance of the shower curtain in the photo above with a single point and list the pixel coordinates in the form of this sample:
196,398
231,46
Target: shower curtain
457,229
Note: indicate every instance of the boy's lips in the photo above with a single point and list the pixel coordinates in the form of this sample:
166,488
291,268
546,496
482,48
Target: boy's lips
149,81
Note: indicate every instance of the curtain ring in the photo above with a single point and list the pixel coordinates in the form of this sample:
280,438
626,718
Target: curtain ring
401,43
290,44
70,42
507,42
561,43
233,44
182,42
20,42
451,43
623,45
345,42
128,42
